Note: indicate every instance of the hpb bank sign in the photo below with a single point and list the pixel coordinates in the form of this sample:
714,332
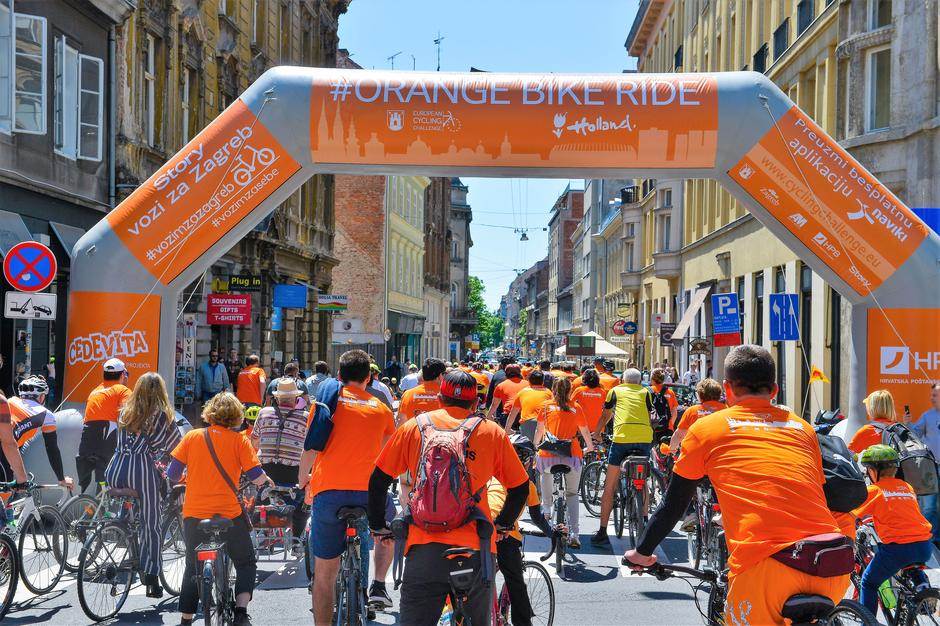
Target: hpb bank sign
907,365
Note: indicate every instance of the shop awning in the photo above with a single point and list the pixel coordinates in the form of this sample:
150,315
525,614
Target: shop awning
13,230
67,235
695,303
602,347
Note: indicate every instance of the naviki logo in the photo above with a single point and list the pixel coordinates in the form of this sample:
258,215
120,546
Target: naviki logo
395,119
101,347
861,214
771,195
746,172
799,219
585,127
899,360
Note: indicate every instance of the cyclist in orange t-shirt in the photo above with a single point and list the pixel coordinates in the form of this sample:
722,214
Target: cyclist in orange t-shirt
879,406
99,432
527,405
505,393
423,398
590,396
427,568
709,397
757,457
252,382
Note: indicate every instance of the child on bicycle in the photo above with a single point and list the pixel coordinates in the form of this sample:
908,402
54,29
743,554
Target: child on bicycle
509,547
905,533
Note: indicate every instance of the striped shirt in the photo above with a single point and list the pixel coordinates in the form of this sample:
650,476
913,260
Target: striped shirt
280,442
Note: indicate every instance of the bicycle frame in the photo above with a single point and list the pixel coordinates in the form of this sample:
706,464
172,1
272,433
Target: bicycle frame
902,588
215,566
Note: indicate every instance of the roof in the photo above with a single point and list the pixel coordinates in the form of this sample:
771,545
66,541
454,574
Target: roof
642,29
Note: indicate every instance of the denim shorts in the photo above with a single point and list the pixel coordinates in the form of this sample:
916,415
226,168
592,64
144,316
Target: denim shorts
327,532
620,451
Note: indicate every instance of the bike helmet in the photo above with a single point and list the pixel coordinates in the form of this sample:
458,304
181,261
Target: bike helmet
251,414
32,387
879,456
523,446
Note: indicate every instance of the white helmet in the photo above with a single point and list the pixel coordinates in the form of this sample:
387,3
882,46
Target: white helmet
33,387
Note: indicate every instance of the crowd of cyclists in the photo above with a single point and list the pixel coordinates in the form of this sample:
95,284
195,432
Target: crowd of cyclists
436,469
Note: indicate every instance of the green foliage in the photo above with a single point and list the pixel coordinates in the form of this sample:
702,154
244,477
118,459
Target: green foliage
523,323
489,323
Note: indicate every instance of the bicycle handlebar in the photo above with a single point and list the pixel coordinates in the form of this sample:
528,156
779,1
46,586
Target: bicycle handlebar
662,571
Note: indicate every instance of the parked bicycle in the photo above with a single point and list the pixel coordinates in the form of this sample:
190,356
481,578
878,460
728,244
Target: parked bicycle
217,574
560,508
40,535
631,499
902,602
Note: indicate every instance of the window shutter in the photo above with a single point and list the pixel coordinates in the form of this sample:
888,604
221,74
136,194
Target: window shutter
29,84
6,65
90,107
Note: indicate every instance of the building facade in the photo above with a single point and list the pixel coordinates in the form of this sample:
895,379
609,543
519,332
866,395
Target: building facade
57,84
437,268
462,319
565,217
182,62
404,207
866,71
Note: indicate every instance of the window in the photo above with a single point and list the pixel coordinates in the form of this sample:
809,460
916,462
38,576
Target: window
186,104
29,66
781,38
780,286
307,52
760,59
759,308
835,346
879,12
257,21
666,198
628,247
285,32
878,88
90,107
6,65
65,99
806,325
227,8
667,228
148,90
804,15
677,61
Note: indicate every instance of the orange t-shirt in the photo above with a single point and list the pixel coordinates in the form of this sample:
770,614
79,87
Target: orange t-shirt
591,402
742,450
530,401
846,522
507,391
526,370
489,455
360,425
892,504
608,381
207,494
105,402
866,436
563,425
249,385
420,399
698,411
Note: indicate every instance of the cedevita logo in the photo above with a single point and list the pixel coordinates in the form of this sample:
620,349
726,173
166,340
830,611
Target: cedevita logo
899,360
101,347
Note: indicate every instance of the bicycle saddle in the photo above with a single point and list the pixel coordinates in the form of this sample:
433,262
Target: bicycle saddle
560,469
217,523
804,608
350,514
123,492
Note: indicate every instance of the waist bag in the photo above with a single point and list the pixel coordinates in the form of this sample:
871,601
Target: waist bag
823,558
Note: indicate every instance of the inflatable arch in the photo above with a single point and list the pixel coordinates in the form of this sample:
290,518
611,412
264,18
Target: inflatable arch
292,123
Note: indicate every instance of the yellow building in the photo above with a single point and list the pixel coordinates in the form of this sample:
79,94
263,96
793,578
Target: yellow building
698,234
404,206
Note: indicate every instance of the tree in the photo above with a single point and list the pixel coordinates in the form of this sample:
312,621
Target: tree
489,324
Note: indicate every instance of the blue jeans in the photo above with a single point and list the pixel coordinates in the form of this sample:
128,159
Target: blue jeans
888,560
929,508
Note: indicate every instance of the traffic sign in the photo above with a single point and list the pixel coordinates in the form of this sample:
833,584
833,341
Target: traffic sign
630,328
726,314
30,266
29,306
658,319
784,317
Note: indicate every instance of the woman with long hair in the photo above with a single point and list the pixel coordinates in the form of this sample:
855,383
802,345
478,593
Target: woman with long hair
556,437
146,434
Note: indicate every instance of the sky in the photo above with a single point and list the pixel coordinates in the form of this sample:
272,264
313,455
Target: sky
497,36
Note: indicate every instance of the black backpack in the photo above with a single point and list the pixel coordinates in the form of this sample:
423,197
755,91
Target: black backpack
660,414
918,468
845,486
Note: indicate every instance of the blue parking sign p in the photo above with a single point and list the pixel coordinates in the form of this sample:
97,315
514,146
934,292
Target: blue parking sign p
726,313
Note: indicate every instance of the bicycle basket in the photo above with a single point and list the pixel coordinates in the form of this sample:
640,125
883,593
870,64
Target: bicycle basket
269,516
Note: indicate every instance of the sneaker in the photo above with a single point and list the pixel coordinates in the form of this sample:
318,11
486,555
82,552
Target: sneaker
574,542
241,619
600,538
379,598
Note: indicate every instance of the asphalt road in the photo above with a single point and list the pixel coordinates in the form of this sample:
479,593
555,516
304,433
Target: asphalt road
596,590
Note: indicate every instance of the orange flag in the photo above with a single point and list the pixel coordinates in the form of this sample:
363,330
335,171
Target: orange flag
816,375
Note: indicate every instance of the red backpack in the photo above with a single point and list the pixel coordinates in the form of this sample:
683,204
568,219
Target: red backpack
442,498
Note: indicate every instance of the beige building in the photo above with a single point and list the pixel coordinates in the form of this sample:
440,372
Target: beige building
404,206
841,63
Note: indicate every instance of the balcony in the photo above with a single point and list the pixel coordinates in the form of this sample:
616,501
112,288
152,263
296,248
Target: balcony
667,265
463,317
631,281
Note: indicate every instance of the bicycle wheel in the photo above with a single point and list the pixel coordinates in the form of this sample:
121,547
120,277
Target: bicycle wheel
500,613
592,486
638,519
617,512
694,539
562,542
657,487
716,604
207,599
224,592
173,553
849,613
106,570
77,511
9,573
43,550
541,593
921,609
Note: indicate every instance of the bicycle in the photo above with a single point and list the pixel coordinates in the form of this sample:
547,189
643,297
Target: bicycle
9,556
801,609
351,598
594,476
707,539
539,588
560,507
217,579
900,599
660,472
40,535
272,522
79,512
631,498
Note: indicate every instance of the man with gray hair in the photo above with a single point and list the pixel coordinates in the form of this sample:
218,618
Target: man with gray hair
630,404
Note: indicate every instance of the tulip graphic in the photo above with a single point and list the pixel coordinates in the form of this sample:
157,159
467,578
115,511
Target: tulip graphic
559,124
